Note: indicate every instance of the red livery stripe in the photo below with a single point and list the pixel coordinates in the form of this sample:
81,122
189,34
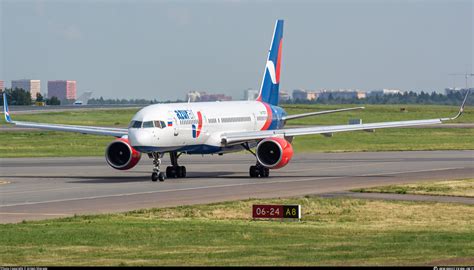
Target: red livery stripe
269,116
198,131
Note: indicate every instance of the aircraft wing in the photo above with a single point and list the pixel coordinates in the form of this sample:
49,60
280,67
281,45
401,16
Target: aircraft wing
105,131
296,116
241,137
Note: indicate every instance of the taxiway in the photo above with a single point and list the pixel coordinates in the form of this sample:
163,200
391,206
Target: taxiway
40,188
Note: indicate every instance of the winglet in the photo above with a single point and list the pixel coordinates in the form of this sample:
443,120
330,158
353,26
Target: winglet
461,109
6,111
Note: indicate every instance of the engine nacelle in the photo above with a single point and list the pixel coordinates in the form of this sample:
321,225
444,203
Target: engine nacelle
121,155
274,152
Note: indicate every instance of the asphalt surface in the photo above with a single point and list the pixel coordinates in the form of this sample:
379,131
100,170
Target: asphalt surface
41,188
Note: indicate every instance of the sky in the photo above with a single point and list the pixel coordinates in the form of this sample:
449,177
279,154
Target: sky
163,49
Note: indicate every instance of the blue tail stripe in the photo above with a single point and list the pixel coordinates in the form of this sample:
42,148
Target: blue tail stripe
6,111
269,91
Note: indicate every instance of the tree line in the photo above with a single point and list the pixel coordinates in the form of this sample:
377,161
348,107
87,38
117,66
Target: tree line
452,98
19,96
123,101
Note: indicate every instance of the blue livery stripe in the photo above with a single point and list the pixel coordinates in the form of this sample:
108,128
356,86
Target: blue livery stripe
269,90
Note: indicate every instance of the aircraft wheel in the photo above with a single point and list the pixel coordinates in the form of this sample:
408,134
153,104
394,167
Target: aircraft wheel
169,172
264,172
253,171
161,176
154,176
182,171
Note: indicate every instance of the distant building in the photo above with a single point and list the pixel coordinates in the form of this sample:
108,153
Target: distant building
63,90
195,96
215,97
284,96
251,94
299,94
2,85
381,92
343,94
32,86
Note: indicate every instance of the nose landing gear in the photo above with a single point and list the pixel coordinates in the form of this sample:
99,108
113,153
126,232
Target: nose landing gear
157,175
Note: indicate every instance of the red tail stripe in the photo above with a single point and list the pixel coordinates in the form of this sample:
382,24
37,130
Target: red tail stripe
278,63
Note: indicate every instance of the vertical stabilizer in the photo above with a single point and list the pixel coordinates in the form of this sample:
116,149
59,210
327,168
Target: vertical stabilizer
269,90
6,111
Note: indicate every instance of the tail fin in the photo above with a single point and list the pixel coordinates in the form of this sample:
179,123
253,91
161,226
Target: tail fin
6,112
271,78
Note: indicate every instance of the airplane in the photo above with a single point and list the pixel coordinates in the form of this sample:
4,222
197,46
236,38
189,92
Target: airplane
217,127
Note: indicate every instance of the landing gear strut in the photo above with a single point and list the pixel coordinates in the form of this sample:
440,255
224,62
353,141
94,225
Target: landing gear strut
157,175
258,170
175,171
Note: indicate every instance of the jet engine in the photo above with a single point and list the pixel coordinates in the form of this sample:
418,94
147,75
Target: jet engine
121,155
274,152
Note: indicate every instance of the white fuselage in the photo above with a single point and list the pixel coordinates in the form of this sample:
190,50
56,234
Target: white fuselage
196,127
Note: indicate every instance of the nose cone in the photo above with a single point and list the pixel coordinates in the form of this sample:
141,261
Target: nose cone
139,138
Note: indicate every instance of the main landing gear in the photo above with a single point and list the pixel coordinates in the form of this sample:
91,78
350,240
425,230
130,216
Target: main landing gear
173,171
258,170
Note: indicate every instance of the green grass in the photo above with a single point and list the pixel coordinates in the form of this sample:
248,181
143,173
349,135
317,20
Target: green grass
50,144
372,113
53,144
377,113
406,139
462,187
332,232
105,117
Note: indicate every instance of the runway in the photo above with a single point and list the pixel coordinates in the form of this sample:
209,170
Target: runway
40,188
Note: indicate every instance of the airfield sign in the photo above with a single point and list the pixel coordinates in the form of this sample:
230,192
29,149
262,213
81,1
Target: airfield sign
276,211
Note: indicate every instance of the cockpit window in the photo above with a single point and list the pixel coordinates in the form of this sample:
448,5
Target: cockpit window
160,124
148,124
135,124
